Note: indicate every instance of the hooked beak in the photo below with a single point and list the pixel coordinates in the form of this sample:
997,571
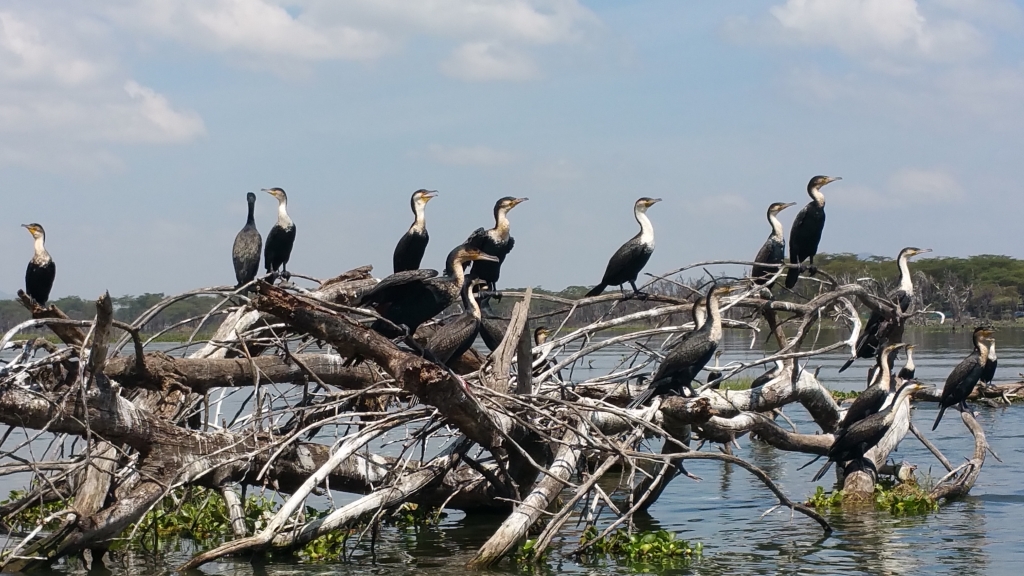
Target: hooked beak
654,201
924,250
788,205
832,179
429,194
484,257
519,201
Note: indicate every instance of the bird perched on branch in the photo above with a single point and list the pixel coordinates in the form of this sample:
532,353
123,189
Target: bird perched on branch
965,376
871,400
989,372
773,251
496,242
627,262
881,326
245,254
41,269
281,237
853,442
908,370
412,245
807,227
685,361
452,340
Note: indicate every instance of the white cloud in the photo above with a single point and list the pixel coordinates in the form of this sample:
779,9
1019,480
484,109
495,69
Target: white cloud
469,155
917,186
483,61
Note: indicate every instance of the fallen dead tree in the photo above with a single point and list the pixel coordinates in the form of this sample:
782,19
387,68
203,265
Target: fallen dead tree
272,402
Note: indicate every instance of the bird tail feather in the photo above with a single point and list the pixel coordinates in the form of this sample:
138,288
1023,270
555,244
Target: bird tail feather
822,472
792,275
642,398
847,364
596,290
942,409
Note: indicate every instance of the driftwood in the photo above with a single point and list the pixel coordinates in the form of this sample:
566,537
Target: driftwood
514,439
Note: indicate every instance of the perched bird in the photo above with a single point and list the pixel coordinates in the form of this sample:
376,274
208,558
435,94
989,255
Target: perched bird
452,340
880,327
768,375
715,374
41,269
412,245
281,237
540,336
774,249
908,370
853,442
245,254
412,297
496,242
492,327
873,399
989,372
627,262
685,361
962,380
805,234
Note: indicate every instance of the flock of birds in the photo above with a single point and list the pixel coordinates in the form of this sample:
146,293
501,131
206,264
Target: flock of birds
412,296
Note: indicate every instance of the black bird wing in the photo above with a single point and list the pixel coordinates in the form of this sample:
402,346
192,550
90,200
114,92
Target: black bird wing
385,287
245,254
492,330
686,360
806,233
858,438
627,262
989,371
278,248
869,402
765,378
409,251
482,240
962,380
39,280
771,252
450,341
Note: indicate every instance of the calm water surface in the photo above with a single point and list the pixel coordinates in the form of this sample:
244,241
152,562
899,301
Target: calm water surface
979,535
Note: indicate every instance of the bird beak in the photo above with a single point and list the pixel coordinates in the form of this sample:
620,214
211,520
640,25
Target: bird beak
484,257
429,194
654,201
924,250
832,179
788,205
519,201
267,190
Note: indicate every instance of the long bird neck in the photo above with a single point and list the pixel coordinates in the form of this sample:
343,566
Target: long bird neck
815,193
992,351
902,395
713,325
40,254
471,305
906,281
251,220
776,226
419,224
501,224
646,228
283,220
700,317
885,378
910,360
983,352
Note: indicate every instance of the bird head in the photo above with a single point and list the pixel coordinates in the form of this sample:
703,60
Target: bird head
911,251
777,207
466,253
819,181
250,197
540,335
644,203
277,193
421,197
36,230
507,203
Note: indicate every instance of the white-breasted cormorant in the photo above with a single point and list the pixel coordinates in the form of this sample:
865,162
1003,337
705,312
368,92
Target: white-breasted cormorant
245,254
873,399
908,370
774,249
497,242
410,249
452,340
412,297
962,380
627,262
853,442
281,237
41,269
805,234
715,374
879,327
989,372
685,361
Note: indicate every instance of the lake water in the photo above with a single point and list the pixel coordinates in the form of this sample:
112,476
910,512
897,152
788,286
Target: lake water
978,535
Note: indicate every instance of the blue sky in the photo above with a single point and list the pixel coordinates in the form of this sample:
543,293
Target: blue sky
133,129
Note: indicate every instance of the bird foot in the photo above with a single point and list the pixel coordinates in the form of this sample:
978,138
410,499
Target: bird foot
812,269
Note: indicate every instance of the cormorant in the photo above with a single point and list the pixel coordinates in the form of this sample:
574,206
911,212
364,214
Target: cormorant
685,361
492,328
715,373
496,242
853,442
879,327
908,370
410,249
774,249
873,399
989,372
768,375
627,262
962,380
540,336
41,269
281,237
807,227
412,297
452,340
245,254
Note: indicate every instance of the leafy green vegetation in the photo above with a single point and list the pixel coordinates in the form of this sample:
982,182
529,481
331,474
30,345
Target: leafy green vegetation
661,547
841,395
29,518
902,499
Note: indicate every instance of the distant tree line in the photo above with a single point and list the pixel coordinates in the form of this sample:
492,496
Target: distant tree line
126,308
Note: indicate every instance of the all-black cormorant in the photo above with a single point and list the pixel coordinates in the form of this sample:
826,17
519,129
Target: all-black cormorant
497,242
410,249
245,254
879,326
412,297
805,234
41,269
853,442
873,399
627,262
452,340
281,237
685,361
774,249
962,380
989,372
908,370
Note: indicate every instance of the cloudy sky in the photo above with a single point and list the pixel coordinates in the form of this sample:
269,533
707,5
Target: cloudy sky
132,129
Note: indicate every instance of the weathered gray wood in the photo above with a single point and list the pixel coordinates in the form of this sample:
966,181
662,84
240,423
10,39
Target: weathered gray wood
502,357
524,353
